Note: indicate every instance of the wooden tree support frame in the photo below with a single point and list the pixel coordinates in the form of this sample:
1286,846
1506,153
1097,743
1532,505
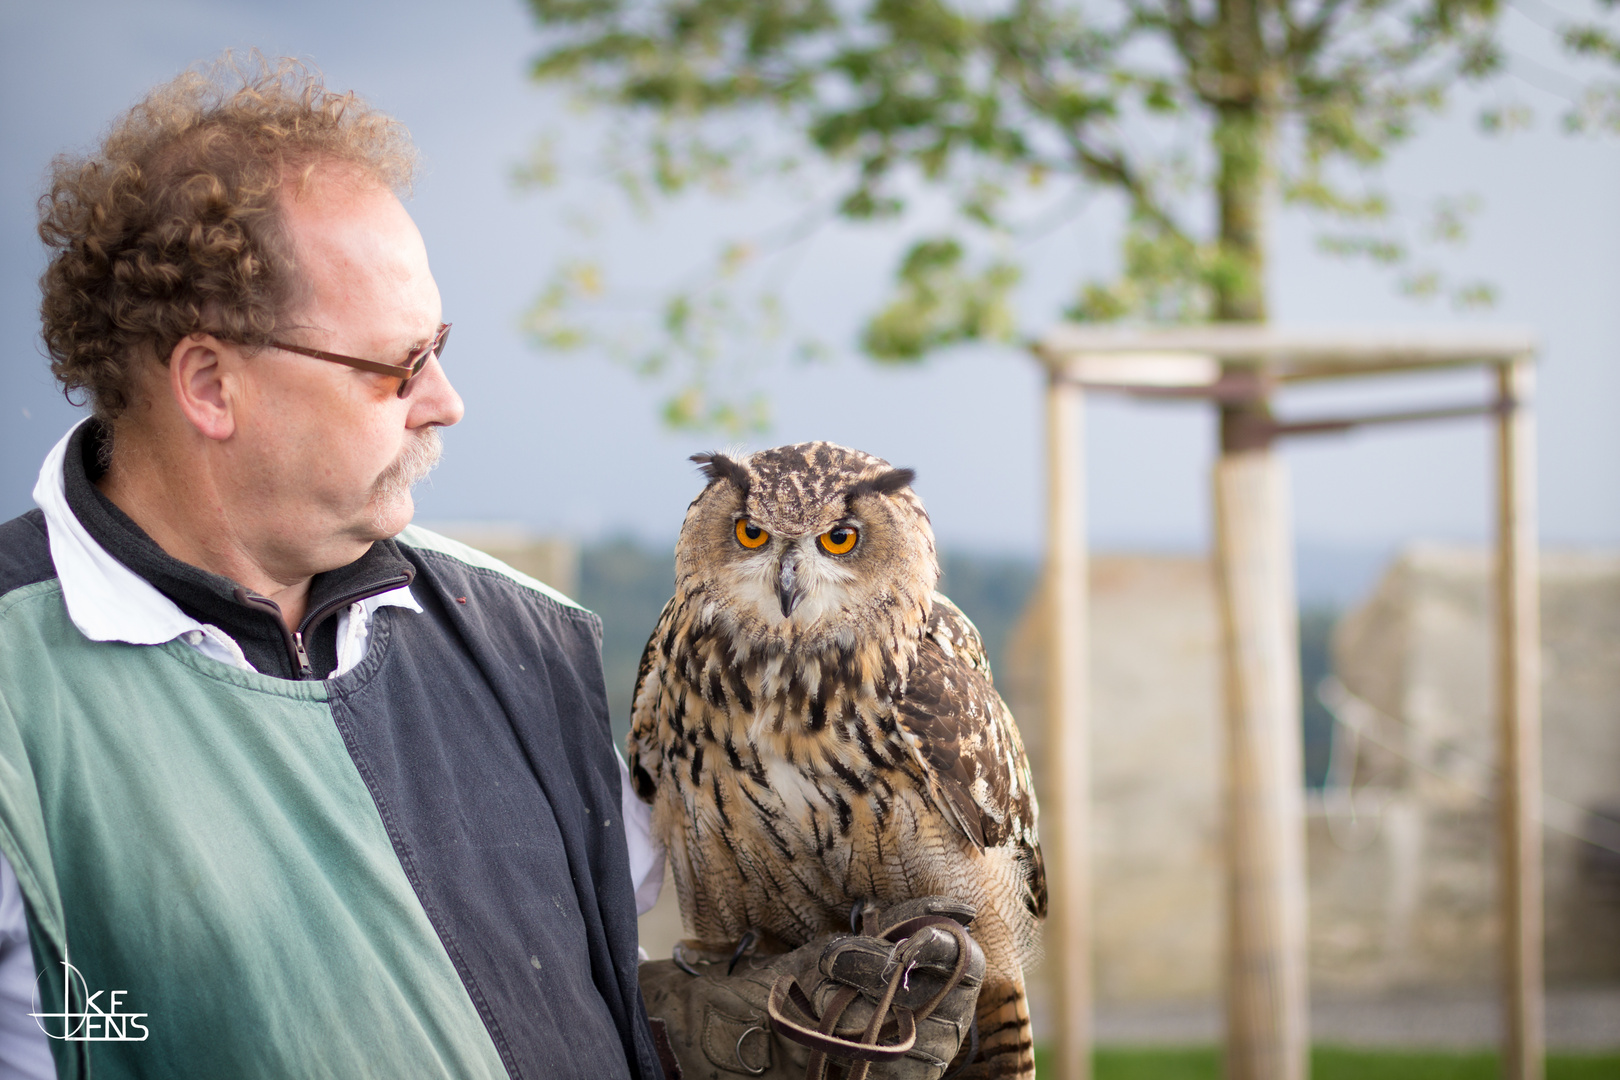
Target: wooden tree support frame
1239,368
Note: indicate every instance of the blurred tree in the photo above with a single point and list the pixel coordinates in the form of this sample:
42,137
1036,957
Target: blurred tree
1193,112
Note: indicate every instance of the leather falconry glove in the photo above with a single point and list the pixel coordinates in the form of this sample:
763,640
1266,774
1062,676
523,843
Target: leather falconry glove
894,1001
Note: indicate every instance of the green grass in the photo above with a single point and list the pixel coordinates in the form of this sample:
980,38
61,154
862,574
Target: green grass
1336,1063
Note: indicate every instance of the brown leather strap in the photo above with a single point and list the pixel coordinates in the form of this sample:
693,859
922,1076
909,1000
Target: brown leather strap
824,1041
816,1067
827,1042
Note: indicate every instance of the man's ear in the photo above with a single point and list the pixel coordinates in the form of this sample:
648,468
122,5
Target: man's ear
201,387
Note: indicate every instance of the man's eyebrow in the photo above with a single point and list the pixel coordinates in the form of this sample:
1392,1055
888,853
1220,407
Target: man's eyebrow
417,342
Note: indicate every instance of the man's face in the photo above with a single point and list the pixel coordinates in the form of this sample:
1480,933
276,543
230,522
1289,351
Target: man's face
331,451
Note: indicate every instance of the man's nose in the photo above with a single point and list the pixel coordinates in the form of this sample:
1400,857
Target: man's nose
433,399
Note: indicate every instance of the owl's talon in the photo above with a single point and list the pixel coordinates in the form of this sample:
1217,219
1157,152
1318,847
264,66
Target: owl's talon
677,954
745,946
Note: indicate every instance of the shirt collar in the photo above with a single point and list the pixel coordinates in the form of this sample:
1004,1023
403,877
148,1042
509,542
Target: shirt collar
107,600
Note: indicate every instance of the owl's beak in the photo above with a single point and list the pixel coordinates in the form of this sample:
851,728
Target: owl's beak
788,589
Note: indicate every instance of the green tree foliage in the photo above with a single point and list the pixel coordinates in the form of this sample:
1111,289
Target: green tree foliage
1193,113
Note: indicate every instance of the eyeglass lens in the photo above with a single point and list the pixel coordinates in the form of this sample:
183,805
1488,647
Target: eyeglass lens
419,361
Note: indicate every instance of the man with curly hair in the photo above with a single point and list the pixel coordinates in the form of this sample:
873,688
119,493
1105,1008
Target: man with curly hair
287,788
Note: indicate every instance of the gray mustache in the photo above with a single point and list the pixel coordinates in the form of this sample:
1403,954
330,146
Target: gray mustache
419,458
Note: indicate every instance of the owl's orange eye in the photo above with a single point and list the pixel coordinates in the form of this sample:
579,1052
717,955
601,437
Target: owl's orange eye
838,540
750,535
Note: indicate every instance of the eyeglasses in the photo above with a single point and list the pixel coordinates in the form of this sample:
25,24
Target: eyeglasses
406,372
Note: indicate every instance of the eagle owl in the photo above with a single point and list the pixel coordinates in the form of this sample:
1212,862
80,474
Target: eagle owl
815,727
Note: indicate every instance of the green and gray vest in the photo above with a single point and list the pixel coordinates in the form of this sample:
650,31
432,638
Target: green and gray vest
414,868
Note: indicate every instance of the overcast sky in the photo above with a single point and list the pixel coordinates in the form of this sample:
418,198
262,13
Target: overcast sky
571,444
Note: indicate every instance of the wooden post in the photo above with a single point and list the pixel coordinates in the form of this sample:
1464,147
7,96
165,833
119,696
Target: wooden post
1066,817
1236,364
1266,992
1518,663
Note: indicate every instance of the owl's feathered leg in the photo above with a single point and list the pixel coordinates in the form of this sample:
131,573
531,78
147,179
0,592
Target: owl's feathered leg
1006,1041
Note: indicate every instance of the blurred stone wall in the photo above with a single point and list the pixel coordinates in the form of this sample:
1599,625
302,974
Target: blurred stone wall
1402,857
1400,843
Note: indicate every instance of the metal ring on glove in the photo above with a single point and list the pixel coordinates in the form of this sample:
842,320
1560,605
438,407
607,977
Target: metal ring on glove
750,1070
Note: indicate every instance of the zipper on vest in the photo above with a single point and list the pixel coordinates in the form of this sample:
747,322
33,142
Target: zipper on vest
305,668
295,638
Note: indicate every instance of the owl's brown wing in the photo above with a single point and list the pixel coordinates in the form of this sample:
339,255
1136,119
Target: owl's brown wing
962,734
957,637
642,744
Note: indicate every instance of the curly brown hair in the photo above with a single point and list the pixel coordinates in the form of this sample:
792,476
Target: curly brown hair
173,224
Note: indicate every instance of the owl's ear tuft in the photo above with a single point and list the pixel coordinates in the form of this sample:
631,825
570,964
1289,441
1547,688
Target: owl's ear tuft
884,483
719,467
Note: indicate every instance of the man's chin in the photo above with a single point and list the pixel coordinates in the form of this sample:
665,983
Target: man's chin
391,504
390,515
